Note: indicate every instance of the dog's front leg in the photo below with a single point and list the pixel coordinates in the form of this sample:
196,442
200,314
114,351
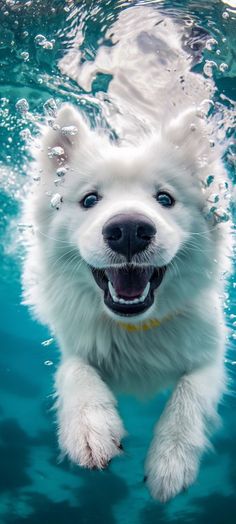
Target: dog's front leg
180,436
89,427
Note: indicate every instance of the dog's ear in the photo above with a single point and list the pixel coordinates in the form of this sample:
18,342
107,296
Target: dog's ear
68,134
181,128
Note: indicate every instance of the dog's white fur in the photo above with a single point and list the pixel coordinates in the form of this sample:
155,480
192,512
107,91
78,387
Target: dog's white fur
187,350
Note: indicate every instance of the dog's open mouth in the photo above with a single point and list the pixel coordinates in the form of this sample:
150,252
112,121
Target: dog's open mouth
130,290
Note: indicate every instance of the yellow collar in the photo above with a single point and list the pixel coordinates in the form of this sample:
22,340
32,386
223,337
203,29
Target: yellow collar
144,326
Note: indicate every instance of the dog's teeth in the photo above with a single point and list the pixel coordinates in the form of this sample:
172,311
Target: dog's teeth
112,292
111,288
145,292
115,298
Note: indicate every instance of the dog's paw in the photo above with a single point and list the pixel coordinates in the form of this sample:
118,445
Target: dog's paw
169,471
91,436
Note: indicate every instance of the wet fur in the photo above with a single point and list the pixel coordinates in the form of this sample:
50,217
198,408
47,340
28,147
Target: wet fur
186,351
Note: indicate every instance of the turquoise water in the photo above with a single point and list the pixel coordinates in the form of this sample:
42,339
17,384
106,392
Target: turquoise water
35,487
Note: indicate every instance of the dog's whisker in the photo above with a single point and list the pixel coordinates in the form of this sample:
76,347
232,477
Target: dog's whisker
50,237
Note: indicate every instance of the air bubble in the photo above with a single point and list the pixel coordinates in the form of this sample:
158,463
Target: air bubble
223,67
61,171
204,107
223,186
50,107
209,180
25,56
39,39
221,215
188,23
225,15
213,198
211,44
208,68
47,342
22,105
56,201
36,176
55,151
49,45
4,102
69,130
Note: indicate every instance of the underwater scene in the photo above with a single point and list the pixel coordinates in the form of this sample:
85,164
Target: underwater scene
59,51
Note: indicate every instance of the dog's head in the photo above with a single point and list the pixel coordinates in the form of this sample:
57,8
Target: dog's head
131,216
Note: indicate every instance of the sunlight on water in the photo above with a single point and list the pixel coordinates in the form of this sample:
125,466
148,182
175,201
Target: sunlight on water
104,58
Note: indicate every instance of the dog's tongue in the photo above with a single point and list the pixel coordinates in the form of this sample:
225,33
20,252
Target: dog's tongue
129,282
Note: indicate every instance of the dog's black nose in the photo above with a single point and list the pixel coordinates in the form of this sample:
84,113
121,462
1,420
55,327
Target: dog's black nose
128,234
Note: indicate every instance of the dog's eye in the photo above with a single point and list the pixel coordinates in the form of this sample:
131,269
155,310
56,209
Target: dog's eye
165,199
90,200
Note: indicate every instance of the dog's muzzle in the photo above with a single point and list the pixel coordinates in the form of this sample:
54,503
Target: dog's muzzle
129,287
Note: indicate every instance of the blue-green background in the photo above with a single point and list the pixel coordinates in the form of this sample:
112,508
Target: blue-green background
35,487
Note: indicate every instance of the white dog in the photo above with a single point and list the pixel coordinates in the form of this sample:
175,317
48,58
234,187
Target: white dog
125,268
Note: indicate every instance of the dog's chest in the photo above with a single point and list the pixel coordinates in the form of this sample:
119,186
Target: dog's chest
153,359
138,362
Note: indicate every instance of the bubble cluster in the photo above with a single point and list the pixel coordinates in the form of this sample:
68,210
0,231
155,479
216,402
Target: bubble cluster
55,151
69,130
25,134
22,105
41,41
60,172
